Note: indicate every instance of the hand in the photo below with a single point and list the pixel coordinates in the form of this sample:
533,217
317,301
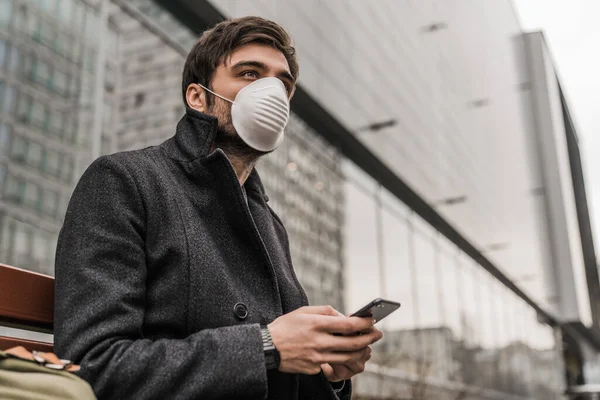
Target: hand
341,372
305,339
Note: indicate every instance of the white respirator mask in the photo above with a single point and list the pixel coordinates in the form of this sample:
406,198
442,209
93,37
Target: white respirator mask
260,113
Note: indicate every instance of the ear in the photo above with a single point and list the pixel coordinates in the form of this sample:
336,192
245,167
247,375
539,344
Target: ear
196,97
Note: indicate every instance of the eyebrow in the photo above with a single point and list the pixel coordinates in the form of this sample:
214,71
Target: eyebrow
261,65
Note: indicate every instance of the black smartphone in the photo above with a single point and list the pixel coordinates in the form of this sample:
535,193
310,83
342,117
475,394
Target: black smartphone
377,309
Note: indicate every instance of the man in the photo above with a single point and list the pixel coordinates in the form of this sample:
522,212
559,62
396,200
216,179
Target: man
173,276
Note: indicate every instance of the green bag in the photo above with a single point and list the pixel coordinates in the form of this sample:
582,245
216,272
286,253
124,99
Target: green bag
26,376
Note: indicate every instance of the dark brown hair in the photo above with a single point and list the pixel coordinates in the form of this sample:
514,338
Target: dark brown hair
219,42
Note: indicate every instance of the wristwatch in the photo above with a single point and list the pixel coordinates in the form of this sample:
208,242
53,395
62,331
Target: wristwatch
271,353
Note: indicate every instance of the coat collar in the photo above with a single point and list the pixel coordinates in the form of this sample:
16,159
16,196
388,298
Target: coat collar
193,138
193,142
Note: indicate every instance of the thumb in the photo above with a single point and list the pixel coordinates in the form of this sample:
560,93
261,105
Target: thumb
328,372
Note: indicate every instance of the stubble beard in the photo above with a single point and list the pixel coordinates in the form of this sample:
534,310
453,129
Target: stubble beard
227,139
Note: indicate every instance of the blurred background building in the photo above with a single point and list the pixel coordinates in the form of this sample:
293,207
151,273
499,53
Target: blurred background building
430,159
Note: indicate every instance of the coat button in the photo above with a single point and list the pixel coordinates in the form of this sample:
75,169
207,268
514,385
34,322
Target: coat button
240,310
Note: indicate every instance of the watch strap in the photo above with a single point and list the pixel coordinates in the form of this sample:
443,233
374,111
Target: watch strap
271,353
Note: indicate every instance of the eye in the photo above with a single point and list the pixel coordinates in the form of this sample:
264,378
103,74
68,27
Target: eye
249,74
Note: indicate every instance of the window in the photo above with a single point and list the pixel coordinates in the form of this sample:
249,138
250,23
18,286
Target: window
65,10
50,202
34,154
46,33
6,7
68,132
59,82
89,60
24,107
52,162
57,119
66,169
33,23
63,43
48,5
39,113
78,12
21,243
91,24
3,51
40,248
12,191
10,97
26,68
5,133
2,176
14,60
41,72
139,99
32,195
18,148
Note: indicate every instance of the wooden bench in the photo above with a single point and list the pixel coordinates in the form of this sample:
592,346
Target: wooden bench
26,302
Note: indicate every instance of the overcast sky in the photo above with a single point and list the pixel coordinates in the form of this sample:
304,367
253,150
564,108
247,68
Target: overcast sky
572,30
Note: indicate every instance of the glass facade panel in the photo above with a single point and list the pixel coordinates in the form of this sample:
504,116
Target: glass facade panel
363,281
400,349
450,290
470,320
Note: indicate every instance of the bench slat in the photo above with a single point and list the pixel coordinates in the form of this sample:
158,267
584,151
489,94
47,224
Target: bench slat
26,299
8,342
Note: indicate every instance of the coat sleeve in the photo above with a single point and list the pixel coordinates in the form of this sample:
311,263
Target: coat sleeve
100,305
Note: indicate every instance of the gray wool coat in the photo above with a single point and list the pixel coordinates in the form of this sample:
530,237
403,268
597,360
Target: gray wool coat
164,274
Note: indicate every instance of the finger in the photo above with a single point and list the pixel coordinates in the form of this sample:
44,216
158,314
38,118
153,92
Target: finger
342,372
344,357
322,310
356,367
329,372
365,332
345,325
350,343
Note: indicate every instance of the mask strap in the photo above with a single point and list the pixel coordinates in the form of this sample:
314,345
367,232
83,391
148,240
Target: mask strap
218,95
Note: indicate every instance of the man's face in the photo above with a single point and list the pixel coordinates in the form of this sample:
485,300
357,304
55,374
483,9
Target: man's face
245,65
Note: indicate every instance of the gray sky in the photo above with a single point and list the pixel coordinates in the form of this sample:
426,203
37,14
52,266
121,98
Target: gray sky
573,35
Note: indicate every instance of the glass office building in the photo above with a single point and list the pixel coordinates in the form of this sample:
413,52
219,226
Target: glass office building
408,171
47,70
